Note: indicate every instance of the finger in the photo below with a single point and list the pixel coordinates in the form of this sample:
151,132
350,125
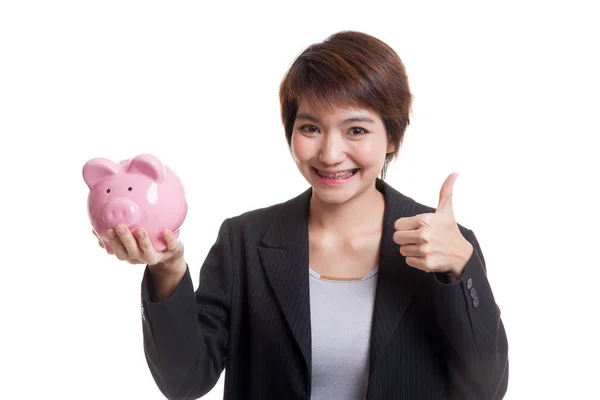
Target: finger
445,201
412,250
148,253
116,245
173,243
418,263
407,237
411,223
129,242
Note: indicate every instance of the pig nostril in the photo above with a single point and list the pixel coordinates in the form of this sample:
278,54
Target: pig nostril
121,211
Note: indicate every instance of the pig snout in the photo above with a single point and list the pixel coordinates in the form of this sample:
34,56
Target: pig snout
121,211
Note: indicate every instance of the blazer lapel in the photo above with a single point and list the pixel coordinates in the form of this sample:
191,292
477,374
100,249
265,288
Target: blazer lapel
284,255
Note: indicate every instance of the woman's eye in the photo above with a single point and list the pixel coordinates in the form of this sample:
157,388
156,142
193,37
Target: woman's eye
309,128
357,131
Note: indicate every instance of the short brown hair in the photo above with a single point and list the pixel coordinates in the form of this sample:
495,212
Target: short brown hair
350,68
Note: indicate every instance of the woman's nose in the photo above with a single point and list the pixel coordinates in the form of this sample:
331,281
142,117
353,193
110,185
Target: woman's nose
333,149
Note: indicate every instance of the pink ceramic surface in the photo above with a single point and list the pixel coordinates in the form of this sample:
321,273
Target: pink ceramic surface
140,193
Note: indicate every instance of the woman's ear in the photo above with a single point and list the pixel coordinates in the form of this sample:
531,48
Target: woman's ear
391,147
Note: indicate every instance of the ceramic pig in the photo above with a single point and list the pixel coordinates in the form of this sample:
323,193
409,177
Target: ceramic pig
141,192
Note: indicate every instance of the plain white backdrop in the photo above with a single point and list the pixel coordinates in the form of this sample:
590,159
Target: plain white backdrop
505,94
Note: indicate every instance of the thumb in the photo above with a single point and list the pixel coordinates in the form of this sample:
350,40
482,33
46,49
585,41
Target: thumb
445,201
173,243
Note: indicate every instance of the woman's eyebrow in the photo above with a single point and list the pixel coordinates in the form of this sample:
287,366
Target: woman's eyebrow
359,119
318,121
308,117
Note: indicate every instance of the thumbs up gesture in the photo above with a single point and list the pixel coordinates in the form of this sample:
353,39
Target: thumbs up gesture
432,242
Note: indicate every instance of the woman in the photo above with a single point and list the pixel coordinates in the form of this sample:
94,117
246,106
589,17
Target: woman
350,290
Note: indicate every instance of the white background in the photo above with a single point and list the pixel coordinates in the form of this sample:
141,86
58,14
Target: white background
506,95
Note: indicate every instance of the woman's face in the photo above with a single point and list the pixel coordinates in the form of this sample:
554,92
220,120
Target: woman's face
340,152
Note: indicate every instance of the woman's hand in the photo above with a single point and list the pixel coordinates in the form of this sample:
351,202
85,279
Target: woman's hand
136,248
432,242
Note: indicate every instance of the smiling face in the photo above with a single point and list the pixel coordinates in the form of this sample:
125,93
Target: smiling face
339,151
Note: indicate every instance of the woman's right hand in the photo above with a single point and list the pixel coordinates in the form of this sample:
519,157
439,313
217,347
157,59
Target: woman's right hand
136,248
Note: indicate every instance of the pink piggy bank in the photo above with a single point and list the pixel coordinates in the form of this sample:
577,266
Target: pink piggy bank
141,192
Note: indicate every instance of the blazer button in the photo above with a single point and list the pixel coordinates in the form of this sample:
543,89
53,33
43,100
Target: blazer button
469,283
473,293
476,302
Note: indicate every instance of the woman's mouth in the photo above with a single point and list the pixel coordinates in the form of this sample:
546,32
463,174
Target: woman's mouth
337,177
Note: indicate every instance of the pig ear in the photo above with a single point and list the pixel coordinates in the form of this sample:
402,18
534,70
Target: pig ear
97,169
148,165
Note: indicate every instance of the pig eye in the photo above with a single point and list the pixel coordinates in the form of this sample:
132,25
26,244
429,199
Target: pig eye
107,190
130,188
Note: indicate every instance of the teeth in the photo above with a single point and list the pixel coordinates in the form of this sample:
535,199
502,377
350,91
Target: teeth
339,175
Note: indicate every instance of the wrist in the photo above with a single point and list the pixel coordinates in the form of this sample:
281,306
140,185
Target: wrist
169,266
168,270
456,271
165,278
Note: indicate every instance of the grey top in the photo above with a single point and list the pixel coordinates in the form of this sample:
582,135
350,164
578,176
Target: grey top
341,316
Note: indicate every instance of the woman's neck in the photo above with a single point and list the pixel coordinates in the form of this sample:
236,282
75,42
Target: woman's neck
362,213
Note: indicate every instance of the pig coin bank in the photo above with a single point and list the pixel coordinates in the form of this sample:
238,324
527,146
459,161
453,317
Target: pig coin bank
140,193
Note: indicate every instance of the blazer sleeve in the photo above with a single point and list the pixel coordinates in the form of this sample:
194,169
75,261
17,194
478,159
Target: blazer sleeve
475,341
186,336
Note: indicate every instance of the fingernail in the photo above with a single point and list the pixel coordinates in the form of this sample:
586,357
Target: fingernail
121,229
141,234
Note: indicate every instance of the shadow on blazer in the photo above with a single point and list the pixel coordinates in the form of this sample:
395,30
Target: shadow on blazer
250,316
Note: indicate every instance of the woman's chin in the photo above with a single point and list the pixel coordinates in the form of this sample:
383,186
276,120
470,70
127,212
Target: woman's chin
335,195
332,198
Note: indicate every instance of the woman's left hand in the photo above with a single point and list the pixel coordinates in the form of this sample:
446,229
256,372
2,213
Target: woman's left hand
432,242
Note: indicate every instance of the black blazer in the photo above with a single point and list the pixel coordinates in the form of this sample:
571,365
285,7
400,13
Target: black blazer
250,316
